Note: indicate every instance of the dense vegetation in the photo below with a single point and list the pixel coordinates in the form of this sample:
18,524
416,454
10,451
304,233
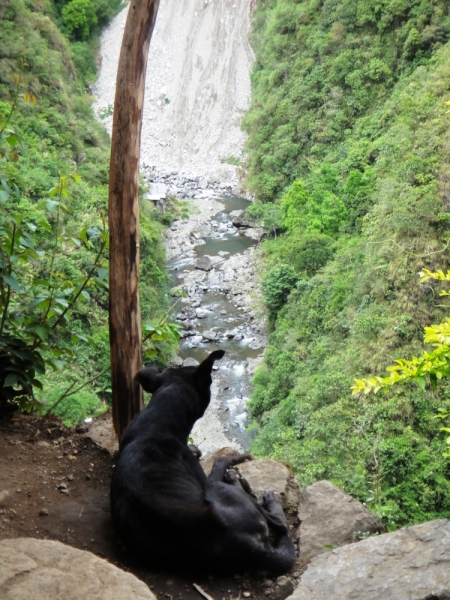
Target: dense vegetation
349,139
54,160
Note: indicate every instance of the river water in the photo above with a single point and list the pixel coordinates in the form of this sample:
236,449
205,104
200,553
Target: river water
222,297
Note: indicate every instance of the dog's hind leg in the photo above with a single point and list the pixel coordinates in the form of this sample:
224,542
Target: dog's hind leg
223,463
273,512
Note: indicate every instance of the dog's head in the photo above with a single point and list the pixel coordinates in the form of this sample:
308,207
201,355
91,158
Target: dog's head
151,378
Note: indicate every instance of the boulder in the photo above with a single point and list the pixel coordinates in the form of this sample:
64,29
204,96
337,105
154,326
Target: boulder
203,263
176,361
4,495
208,462
241,221
331,518
101,432
209,336
254,233
253,364
409,564
45,569
269,474
190,362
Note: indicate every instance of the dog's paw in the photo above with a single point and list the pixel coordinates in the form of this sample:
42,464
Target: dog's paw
230,477
270,499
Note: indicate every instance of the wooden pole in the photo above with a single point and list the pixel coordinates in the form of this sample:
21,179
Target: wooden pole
123,214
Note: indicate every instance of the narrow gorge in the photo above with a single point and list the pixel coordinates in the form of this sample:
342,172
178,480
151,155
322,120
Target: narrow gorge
197,89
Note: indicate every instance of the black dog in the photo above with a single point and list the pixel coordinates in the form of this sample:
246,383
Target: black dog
167,511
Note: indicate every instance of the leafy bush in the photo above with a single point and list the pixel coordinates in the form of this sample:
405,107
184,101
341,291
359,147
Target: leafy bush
52,288
74,408
79,18
276,286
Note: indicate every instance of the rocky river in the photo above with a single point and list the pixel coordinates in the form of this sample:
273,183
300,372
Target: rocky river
197,89
211,260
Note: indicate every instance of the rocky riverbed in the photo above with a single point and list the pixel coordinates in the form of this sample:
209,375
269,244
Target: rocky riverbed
211,261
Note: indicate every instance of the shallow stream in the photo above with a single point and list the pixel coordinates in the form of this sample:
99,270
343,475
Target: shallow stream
227,319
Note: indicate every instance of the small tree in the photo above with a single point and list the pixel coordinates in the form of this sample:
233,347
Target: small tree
124,309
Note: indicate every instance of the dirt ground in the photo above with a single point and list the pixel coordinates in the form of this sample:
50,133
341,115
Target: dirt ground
55,485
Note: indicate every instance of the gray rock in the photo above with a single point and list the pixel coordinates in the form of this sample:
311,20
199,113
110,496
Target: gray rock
409,564
204,263
254,233
4,495
201,314
176,361
44,569
284,587
253,363
102,433
330,517
190,362
241,221
209,335
269,474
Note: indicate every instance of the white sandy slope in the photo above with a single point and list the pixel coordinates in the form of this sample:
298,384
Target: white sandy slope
197,85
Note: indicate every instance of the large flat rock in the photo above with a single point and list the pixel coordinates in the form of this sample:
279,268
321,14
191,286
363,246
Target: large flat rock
409,564
330,518
33,569
271,475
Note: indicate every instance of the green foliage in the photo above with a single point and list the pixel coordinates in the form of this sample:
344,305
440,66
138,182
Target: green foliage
79,18
74,408
429,366
276,287
348,111
231,160
36,300
320,211
321,67
267,216
53,295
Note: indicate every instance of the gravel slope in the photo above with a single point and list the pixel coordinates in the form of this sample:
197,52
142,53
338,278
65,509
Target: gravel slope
197,85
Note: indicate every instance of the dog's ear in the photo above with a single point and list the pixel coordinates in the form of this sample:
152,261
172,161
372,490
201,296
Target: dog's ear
149,379
206,366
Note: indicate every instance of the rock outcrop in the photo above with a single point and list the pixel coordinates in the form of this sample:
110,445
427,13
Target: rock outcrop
330,518
409,564
33,569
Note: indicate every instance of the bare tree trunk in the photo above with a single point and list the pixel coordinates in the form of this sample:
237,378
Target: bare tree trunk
124,311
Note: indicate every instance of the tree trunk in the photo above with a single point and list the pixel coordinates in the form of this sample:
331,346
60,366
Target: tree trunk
124,311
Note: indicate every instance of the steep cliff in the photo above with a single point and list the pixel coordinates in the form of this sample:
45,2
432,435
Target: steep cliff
197,87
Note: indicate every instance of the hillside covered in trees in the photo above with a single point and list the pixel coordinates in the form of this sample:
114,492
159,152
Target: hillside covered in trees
54,164
348,157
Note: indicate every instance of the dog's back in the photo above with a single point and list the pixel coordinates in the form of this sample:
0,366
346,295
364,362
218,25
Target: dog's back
157,481
165,508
